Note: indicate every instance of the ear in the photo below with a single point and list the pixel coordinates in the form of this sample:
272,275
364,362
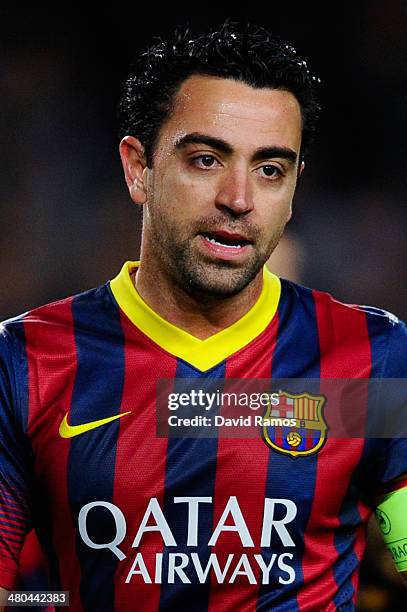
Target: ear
290,213
301,169
134,163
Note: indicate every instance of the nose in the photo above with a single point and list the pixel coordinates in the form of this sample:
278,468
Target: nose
234,191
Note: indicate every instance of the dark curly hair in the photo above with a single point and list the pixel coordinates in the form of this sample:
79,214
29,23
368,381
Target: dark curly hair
244,52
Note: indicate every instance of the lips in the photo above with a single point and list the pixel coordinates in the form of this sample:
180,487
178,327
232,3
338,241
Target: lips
225,245
226,239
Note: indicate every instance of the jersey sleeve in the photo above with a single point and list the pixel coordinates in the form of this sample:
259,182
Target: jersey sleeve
15,519
393,463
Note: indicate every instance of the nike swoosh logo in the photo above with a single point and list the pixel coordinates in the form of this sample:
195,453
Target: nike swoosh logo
70,431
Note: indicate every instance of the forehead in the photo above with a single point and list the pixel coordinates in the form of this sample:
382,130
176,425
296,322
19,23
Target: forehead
236,112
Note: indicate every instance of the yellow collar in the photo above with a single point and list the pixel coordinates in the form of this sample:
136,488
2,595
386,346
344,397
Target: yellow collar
202,354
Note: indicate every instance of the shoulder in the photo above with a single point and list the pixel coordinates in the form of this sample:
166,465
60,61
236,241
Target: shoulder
51,320
358,326
327,305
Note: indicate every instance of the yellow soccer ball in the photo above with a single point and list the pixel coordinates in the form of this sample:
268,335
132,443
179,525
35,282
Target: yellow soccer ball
294,438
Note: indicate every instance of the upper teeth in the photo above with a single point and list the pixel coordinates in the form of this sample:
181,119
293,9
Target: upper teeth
229,246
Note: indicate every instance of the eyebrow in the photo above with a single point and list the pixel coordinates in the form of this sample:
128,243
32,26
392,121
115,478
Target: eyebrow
221,145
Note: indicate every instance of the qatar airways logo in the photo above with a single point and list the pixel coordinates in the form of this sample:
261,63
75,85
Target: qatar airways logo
191,568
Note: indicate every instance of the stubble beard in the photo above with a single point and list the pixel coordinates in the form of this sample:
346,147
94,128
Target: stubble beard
212,279
207,279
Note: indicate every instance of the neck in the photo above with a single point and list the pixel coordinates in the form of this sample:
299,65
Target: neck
201,318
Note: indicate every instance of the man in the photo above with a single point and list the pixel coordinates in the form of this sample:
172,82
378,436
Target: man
213,136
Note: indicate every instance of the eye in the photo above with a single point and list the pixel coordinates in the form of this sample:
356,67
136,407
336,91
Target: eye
270,172
205,161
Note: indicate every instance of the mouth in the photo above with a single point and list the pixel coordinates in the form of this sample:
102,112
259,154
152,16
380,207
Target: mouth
225,244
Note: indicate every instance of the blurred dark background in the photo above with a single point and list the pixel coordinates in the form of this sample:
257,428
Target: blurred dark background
67,222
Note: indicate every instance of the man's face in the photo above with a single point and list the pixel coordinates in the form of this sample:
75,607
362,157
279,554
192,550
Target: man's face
220,190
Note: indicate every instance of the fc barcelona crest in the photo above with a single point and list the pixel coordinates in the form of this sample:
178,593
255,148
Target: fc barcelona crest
296,425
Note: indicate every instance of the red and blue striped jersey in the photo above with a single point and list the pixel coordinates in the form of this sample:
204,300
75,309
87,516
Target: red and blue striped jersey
128,520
